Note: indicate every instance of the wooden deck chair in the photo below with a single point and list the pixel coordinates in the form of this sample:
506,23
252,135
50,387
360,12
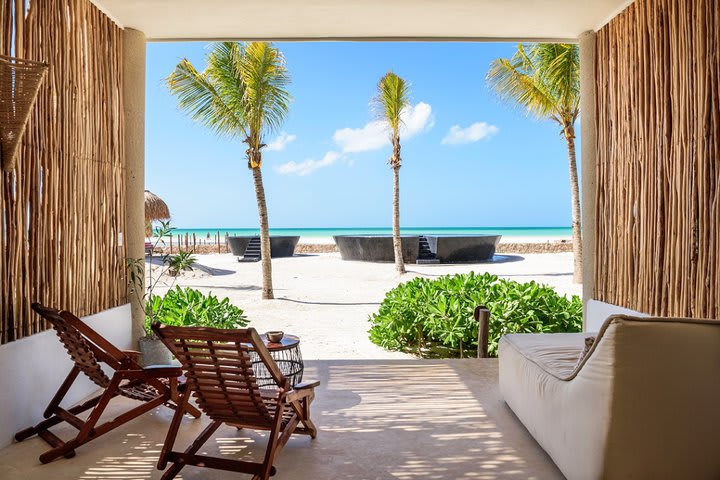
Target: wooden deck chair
152,386
220,376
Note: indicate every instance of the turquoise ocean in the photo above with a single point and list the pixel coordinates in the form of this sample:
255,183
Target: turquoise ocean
329,232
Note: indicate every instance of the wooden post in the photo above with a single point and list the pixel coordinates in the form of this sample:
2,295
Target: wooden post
588,163
482,316
133,76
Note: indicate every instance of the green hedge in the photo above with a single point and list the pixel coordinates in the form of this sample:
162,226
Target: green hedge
189,307
434,318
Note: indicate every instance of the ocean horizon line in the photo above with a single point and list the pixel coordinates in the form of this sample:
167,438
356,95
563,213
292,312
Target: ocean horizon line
325,232
375,228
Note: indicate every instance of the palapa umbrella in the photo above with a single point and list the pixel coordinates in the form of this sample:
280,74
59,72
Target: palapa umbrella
155,209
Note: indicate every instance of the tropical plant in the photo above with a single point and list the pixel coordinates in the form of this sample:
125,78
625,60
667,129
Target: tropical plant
180,262
544,80
135,267
189,307
435,317
242,93
393,97
135,270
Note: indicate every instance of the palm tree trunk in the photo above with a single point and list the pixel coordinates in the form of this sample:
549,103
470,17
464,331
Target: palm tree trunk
575,199
265,260
397,243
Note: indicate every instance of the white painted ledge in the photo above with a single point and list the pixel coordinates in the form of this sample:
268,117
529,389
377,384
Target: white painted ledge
32,369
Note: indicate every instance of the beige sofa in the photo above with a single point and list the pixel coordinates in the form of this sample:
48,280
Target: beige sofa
644,403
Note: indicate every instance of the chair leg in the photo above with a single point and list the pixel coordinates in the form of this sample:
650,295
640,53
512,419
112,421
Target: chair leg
175,388
182,400
302,410
192,411
62,391
65,449
54,420
309,425
50,410
109,393
194,447
272,446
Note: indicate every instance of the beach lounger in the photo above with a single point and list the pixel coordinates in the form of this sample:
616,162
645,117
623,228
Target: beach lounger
87,348
220,377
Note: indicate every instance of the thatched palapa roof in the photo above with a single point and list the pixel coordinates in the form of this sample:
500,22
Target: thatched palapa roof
155,208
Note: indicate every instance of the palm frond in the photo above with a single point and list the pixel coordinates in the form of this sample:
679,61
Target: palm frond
224,71
514,83
242,92
560,67
265,77
393,96
199,96
543,79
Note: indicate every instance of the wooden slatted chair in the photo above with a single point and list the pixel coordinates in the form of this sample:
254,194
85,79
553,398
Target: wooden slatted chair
220,377
152,386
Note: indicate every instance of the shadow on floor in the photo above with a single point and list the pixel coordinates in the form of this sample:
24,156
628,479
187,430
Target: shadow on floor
307,302
377,419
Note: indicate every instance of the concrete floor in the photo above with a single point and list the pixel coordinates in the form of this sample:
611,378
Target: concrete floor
378,419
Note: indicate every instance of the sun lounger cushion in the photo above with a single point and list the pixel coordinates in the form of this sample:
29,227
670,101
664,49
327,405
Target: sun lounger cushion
643,403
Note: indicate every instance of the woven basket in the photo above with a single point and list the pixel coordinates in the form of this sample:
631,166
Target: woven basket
19,85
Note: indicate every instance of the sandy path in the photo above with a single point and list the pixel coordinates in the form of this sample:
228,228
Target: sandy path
326,301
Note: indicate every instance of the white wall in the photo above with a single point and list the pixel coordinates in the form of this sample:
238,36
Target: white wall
596,312
32,369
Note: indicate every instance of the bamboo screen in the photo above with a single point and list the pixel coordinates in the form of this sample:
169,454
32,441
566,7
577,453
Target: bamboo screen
658,172
62,209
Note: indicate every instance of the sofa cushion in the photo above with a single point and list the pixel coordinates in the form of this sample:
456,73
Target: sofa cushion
596,312
555,353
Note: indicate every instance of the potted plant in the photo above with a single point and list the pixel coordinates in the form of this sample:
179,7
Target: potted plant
189,308
154,352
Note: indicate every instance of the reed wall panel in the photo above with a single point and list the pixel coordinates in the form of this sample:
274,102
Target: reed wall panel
63,208
658,170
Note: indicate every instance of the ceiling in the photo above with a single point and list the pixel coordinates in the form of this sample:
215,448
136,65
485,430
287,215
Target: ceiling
168,20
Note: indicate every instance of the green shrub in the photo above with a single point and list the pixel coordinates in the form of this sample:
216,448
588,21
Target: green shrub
435,317
189,307
181,262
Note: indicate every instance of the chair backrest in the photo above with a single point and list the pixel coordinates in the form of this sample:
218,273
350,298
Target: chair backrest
218,368
85,346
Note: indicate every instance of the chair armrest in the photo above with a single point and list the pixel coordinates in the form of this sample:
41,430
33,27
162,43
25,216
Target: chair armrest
172,371
304,385
134,354
301,390
157,371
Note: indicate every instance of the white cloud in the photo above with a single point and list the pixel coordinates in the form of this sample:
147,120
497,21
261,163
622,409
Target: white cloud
473,133
306,167
374,135
416,120
280,142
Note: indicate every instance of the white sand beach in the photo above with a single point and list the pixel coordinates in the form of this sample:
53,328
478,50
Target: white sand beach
327,301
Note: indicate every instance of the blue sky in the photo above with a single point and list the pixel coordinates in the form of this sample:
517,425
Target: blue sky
469,160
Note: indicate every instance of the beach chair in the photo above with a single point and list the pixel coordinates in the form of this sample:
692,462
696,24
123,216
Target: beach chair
220,377
153,386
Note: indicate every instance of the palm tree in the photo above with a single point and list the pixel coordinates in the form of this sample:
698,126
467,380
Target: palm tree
393,97
544,80
241,94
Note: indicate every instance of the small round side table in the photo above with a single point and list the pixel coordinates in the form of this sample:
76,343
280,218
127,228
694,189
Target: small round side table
286,354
